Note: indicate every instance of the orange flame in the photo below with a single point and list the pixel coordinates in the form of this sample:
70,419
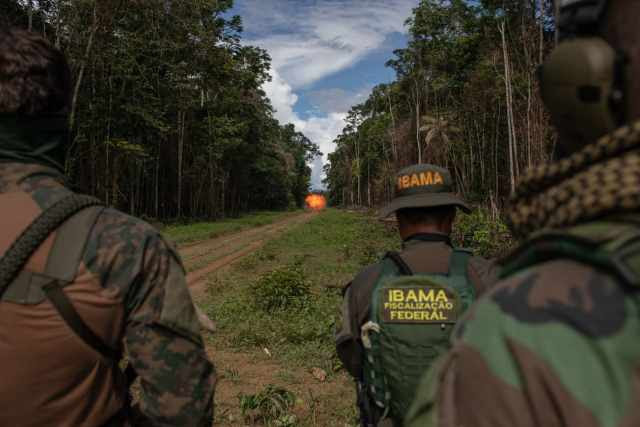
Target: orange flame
316,202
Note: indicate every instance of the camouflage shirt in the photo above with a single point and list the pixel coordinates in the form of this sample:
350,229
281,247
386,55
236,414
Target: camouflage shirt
555,345
161,333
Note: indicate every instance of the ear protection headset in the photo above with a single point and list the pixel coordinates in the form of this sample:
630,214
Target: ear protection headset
584,80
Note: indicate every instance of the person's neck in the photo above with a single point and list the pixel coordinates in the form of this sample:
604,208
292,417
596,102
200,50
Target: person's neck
408,231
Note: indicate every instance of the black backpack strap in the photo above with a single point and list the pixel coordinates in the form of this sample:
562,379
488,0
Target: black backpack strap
404,268
62,264
67,311
73,221
36,233
459,262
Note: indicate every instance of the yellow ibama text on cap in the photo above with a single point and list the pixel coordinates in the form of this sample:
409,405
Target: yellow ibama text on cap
419,180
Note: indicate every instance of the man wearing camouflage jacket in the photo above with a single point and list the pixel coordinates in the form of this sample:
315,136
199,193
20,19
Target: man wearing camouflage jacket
102,283
556,342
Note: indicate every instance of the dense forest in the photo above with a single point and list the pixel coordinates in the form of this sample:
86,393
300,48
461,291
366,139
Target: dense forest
465,97
168,118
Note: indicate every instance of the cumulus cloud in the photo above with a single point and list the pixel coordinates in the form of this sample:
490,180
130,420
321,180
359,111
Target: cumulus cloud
309,40
282,98
325,36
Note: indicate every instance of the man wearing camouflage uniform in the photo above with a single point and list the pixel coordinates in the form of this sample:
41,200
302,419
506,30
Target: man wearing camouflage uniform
556,342
425,206
102,283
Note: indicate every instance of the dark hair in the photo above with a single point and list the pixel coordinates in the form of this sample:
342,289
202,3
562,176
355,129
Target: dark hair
34,75
430,215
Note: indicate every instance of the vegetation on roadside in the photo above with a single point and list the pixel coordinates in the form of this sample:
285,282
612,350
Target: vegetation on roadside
483,232
283,302
271,407
187,233
285,297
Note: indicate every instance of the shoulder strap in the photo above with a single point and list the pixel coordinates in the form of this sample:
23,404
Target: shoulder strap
69,314
62,265
70,243
63,260
36,233
404,268
458,262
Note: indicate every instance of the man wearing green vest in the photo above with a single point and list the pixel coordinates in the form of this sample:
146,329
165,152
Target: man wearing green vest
397,314
81,285
556,342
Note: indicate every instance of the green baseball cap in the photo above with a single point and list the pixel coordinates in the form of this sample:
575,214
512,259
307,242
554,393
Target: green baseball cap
423,186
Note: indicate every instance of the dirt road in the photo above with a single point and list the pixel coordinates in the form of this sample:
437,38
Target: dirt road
205,257
250,370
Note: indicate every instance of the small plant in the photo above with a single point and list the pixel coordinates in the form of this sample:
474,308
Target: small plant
270,406
487,236
232,375
280,289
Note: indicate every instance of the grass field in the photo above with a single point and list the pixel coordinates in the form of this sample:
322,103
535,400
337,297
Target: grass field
187,233
278,308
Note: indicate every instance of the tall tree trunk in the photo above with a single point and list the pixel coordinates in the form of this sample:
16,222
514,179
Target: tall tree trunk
83,65
30,15
513,158
394,150
557,16
417,110
181,120
156,185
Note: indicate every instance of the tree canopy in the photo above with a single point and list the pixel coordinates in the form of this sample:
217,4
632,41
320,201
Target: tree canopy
168,117
465,97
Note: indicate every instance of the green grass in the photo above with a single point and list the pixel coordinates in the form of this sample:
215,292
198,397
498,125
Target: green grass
181,234
286,296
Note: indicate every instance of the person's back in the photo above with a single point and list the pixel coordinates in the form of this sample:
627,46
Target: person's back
555,342
398,313
102,284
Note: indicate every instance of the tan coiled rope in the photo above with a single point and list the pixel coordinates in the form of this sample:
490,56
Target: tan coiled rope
601,179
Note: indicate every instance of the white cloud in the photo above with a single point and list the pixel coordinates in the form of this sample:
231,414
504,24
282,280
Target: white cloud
282,98
337,99
327,36
309,40
320,130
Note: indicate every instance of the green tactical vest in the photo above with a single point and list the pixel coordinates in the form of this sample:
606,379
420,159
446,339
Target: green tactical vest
611,246
411,319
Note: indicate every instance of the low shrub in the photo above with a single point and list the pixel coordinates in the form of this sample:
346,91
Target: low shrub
270,406
487,236
281,289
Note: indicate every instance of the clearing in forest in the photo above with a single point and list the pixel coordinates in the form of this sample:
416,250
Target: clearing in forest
274,292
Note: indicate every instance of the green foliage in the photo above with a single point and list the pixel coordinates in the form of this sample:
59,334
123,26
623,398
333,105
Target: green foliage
185,233
281,289
487,236
450,105
286,296
271,406
170,119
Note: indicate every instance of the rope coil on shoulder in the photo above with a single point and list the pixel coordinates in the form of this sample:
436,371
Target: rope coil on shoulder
601,179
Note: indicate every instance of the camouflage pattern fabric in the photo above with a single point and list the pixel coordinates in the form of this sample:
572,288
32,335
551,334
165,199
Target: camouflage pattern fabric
540,351
162,334
555,344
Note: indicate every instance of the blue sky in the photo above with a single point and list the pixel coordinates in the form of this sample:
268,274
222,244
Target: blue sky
327,55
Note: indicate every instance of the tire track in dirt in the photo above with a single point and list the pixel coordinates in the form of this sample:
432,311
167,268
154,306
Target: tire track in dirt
203,258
